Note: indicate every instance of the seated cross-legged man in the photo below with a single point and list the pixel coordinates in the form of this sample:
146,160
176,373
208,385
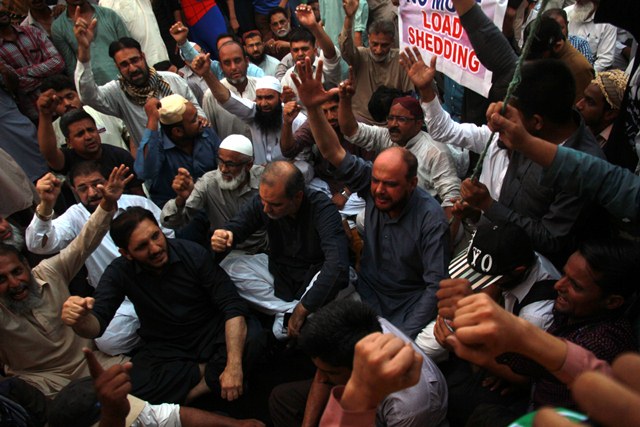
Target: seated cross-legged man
307,265
192,320
36,346
406,251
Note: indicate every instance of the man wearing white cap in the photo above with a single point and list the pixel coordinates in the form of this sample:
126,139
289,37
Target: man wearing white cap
182,142
221,193
264,115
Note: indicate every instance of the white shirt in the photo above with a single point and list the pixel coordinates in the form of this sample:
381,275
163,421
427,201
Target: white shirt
222,121
111,129
141,23
266,145
474,138
437,172
269,65
111,99
602,39
331,71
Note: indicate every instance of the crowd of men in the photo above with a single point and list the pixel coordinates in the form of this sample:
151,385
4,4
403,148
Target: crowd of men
195,196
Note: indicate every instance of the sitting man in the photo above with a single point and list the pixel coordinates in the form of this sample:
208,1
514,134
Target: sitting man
307,263
277,40
553,219
303,45
373,66
221,193
36,345
192,321
329,338
46,235
125,97
501,262
589,312
254,49
264,116
83,141
437,172
112,129
601,101
182,142
406,251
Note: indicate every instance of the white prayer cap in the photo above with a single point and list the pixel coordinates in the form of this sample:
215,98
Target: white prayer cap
239,144
269,82
172,108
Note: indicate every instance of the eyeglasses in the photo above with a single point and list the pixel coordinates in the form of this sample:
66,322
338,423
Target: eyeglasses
400,119
230,164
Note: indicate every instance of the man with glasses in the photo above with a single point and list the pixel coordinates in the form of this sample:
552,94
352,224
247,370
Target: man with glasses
436,166
220,193
182,142
46,235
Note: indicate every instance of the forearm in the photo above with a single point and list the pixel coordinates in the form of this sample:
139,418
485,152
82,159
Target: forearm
346,42
48,144
316,402
87,327
235,331
541,347
346,118
287,143
219,92
325,137
323,41
463,6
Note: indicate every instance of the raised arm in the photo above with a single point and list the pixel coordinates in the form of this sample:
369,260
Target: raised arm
346,118
46,104
287,142
200,66
312,95
347,45
307,19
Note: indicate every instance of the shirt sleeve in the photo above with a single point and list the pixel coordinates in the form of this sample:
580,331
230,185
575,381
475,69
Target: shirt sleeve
579,360
148,167
334,273
47,237
356,173
613,187
335,416
70,259
444,129
63,47
98,97
442,171
52,64
370,138
606,47
242,108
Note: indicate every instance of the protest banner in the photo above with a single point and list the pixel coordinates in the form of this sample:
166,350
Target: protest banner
434,27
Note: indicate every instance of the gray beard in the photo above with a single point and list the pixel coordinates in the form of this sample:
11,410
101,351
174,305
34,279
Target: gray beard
235,183
582,13
17,239
379,58
237,82
33,300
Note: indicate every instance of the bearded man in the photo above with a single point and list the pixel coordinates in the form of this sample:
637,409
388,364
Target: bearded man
373,66
263,116
221,193
126,96
601,37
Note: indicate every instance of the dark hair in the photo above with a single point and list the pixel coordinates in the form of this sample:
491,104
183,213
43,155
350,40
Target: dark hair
275,11
548,34
313,1
124,225
58,82
302,35
383,26
552,13
72,117
380,102
123,43
548,89
228,36
83,169
616,264
162,65
251,34
277,171
332,332
8,250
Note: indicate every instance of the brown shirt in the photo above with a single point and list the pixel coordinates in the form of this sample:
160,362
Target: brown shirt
38,347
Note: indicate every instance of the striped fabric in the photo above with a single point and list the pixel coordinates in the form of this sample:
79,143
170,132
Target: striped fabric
459,268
